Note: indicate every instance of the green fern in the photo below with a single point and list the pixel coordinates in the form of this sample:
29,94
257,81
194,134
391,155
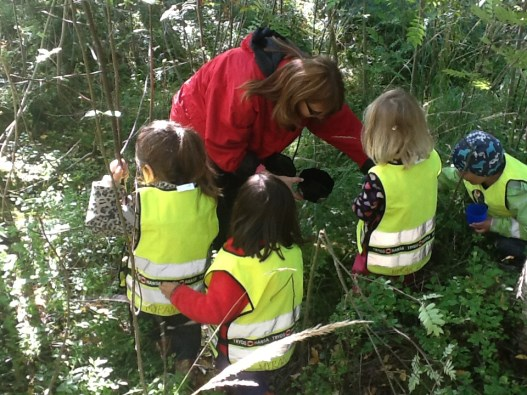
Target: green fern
432,319
415,377
448,369
416,32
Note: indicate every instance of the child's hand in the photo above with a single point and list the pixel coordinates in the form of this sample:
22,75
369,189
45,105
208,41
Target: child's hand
119,170
482,227
167,288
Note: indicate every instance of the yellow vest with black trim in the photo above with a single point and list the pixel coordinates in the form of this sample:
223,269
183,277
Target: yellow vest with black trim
176,229
402,242
495,196
275,290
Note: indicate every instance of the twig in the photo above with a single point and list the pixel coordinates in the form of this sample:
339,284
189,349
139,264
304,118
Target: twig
65,278
98,137
309,291
101,60
521,282
336,261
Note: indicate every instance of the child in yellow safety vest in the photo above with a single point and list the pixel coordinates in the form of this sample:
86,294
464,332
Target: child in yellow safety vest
172,216
397,204
255,284
498,180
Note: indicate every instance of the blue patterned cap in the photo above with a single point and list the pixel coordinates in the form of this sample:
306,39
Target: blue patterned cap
479,153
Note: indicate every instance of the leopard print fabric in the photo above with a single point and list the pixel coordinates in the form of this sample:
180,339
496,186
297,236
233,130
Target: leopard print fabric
102,215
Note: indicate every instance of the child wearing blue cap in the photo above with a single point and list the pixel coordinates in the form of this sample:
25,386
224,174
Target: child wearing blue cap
498,180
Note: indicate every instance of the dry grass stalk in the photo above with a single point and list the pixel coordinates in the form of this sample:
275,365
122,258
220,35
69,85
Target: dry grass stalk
521,292
271,351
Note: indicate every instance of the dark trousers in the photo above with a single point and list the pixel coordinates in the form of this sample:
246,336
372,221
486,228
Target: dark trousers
262,378
177,333
509,246
229,184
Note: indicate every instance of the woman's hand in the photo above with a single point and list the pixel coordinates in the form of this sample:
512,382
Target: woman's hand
482,227
167,288
119,170
290,181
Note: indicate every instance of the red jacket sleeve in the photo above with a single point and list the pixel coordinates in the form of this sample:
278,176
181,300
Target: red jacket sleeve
343,131
225,299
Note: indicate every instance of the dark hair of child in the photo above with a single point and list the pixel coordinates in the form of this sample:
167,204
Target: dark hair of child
264,217
176,155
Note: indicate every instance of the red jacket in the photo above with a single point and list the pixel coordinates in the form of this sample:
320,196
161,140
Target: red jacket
224,301
210,102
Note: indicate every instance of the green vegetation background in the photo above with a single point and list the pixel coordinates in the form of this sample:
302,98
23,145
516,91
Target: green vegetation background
67,66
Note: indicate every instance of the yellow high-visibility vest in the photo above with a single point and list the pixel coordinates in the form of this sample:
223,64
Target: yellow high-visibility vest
176,229
402,242
495,196
275,290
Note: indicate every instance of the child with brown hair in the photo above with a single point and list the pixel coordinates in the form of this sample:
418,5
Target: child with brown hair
397,204
174,221
255,284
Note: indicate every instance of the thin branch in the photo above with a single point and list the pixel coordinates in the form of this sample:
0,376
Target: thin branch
311,280
101,60
65,278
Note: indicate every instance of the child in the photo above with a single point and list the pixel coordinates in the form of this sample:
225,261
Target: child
493,177
397,204
175,223
255,284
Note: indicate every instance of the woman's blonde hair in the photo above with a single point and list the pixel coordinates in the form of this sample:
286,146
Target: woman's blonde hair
314,79
395,128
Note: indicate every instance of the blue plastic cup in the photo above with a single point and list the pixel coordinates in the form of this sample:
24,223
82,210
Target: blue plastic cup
476,212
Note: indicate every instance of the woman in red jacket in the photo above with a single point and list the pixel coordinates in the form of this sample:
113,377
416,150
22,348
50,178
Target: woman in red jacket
249,103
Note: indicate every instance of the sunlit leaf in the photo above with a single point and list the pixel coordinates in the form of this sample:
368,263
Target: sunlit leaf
44,54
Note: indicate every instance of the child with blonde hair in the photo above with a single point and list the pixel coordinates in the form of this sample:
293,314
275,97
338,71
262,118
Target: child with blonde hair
397,204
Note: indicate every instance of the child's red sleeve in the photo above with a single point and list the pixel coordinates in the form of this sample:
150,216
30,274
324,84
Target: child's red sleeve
225,299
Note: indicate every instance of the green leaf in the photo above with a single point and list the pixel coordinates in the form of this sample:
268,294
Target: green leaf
432,319
481,84
416,32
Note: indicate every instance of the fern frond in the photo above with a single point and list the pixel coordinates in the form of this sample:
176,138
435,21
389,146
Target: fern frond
415,377
416,32
431,318
448,369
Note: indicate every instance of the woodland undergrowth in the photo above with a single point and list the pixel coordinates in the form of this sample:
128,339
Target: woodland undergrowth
80,77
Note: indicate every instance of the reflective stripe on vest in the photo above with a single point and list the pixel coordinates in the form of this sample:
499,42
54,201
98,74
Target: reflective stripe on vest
150,299
164,271
176,231
495,196
402,242
261,330
275,290
240,347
